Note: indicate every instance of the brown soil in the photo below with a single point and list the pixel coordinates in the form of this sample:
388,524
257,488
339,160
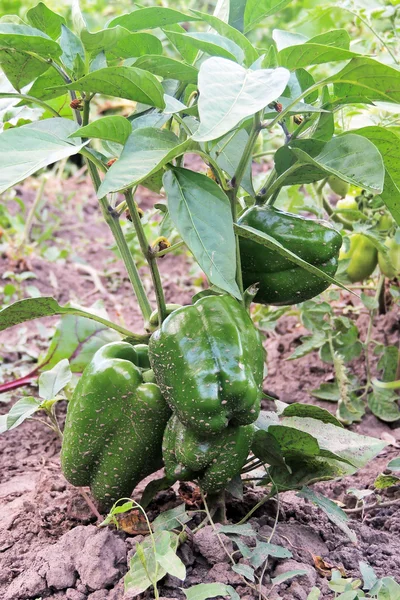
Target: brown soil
49,546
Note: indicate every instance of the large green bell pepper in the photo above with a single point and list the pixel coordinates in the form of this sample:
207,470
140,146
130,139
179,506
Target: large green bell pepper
115,424
208,361
362,256
280,281
212,460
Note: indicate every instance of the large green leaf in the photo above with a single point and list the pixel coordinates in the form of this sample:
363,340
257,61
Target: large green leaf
47,85
332,511
236,14
212,44
150,18
355,448
202,591
41,17
187,51
367,78
388,144
336,37
350,157
35,308
191,196
258,10
134,44
123,82
168,68
20,68
145,152
294,57
230,93
28,39
250,53
25,150
114,129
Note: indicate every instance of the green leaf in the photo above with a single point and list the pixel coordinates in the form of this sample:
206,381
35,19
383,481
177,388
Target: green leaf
383,482
228,152
350,158
50,79
150,18
212,44
369,79
270,242
394,465
28,39
24,150
384,405
285,39
186,50
304,55
244,570
339,38
202,591
152,488
144,153
229,93
258,10
139,578
293,442
53,381
332,511
78,21
22,410
78,338
72,47
115,129
357,449
169,560
168,68
171,519
123,82
314,594
288,575
236,14
41,17
263,550
135,44
20,68
35,308
308,410
327,391
388,362
212,242
243,530
388,144
250,53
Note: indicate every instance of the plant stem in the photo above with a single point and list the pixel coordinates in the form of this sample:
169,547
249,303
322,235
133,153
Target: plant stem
379,287
256,507
85,152
112,219
136,336
31,100
31,214
149,255
278,183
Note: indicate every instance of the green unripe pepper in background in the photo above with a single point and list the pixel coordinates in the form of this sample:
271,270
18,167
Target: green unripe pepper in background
115,424
347,204
208,360
280,281
338,186
390,266
363,258
214,460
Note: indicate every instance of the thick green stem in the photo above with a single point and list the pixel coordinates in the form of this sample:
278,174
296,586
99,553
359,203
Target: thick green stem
112,219
149,255
138,338
31,214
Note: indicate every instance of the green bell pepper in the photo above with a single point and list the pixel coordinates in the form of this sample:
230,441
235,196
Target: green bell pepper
280,281
213,460
363,257
208,361
115,424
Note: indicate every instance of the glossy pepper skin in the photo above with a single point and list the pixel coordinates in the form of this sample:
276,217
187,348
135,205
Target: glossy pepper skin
363,258
281,282
213,461
115,424
208,361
